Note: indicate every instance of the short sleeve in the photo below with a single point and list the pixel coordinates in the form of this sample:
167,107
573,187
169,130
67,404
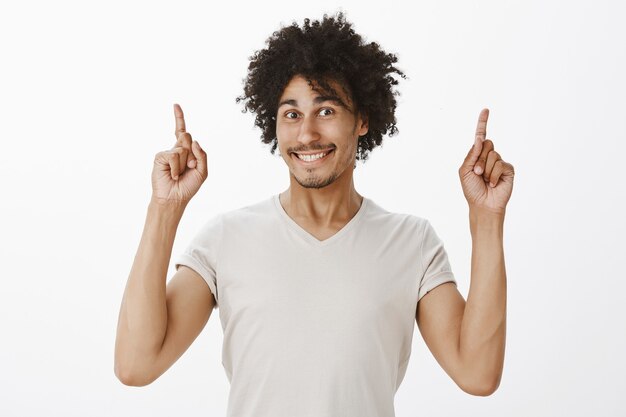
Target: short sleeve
435,265
201,254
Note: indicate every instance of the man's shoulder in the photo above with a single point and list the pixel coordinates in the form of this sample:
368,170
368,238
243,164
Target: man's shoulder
239,220
393,218
258,210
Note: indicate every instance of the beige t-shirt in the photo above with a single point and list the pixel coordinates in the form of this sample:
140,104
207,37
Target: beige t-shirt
316,328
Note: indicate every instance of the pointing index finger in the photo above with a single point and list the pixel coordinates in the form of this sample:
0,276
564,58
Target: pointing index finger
481,128
180,120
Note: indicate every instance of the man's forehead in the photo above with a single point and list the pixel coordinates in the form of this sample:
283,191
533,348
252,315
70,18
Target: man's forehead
299,84
316,100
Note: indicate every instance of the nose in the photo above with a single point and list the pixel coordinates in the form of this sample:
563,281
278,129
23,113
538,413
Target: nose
308,131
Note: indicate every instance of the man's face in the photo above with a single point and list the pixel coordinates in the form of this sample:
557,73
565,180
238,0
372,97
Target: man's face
310,125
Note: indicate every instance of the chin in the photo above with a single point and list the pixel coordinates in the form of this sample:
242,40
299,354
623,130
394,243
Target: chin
316,182
318,177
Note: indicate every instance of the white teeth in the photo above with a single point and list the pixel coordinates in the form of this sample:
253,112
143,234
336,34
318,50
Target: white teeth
310,158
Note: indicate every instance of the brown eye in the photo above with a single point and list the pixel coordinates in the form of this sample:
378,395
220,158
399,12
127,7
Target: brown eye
291,115
328,112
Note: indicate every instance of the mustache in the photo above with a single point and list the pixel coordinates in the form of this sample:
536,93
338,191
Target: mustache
298,150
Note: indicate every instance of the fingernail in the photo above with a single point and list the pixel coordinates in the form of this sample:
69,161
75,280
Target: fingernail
478,170
492,184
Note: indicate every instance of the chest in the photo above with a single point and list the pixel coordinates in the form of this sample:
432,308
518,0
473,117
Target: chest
285,282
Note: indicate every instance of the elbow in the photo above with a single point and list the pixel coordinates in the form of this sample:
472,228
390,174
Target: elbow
482,388
481,391
131,379
133,369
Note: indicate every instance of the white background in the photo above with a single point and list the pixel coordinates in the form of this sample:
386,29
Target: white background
86,94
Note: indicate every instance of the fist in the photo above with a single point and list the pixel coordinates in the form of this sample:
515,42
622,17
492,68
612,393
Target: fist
486,179
178,173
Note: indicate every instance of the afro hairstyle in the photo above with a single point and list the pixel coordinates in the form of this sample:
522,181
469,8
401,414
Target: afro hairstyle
323,51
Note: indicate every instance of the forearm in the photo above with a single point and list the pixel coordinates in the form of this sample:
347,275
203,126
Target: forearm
483,329
143,313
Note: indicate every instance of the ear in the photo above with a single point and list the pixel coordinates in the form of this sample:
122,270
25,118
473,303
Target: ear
362,124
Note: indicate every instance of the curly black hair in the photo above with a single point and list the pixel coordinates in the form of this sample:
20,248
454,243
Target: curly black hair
324,51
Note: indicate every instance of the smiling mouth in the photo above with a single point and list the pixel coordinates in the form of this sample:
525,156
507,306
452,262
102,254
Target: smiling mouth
311,158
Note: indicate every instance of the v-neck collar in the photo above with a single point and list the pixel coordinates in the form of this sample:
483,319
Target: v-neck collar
309,237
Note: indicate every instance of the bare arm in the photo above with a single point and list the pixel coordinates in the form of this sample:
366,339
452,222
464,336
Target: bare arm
483,330
143,314
468,338
157,323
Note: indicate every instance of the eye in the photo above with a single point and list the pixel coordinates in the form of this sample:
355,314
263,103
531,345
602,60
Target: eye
326,112
291,115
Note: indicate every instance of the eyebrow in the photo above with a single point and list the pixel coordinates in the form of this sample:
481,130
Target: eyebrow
317,100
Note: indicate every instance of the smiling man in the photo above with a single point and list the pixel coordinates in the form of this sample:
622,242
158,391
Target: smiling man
313,164
318,287
318,136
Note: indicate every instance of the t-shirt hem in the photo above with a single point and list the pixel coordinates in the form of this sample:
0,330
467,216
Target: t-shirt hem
190,262
436,280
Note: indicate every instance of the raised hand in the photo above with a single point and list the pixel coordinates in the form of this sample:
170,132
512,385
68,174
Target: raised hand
487,180
179,172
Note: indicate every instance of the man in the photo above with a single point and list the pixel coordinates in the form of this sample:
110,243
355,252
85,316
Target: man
318,287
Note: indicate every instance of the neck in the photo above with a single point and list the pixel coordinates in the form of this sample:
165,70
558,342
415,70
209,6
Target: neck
337,202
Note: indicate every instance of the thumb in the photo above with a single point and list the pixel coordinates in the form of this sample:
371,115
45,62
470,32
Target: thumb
201,164
472,155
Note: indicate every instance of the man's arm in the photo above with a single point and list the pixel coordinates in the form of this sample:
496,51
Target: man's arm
468,338
158,323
